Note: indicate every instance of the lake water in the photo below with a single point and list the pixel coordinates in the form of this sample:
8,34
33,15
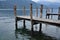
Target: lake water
7,26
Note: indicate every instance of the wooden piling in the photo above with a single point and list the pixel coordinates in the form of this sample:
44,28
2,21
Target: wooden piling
15,11
37,12
59,13
46,13
15,16
51,12
48,16
41,11
36,16
31,17
24,13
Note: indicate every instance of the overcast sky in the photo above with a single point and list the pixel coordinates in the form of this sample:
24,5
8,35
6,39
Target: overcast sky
58,1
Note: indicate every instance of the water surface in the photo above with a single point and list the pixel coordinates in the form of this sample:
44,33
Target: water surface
7,27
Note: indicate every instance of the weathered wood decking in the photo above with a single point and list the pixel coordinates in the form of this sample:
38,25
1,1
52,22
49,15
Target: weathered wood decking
39,20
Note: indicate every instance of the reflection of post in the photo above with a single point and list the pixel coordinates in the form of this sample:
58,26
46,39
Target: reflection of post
59,14
16,34
15,16
41,11
24,15
31,17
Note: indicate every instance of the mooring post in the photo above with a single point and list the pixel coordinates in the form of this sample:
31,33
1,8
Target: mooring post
37,12
46,13
59,14
24,13
51,12
36,15
31,17
15,16
41,11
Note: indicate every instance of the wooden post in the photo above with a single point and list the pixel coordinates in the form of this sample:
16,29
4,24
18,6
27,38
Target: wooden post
59,14
36,15
37,12
31,17
51,12
48,16
15,16
24,13
46,13
41,11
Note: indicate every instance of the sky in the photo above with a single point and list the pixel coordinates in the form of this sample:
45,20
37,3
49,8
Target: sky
2,0
58,1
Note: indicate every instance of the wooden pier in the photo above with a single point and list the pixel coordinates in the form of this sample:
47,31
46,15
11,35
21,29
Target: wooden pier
34,20
50,13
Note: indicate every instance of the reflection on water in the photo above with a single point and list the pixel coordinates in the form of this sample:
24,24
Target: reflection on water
34,36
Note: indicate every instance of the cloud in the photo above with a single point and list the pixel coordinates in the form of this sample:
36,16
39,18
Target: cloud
35,0
47,0
52,0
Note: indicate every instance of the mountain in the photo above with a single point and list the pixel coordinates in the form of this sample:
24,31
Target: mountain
9,4
50,4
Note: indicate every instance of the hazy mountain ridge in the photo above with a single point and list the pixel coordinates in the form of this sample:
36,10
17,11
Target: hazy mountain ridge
9,4
50,4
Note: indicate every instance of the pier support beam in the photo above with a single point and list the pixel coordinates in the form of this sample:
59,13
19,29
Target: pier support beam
48,16
31,17
40,28
16,24
15,17
41,11
24,13
24,24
